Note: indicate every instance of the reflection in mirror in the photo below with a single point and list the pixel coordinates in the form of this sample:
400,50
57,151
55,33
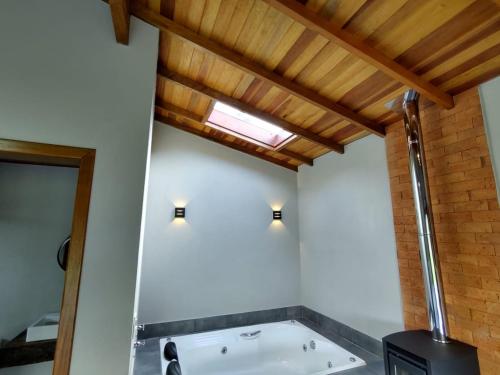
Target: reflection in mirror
490,92
36,208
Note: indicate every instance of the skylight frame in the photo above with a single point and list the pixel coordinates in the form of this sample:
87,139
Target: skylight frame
247,127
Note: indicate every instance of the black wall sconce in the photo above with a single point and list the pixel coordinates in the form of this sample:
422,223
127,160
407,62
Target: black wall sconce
180,212
276,215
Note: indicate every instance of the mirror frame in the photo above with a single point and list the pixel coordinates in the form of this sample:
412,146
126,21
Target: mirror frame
83,159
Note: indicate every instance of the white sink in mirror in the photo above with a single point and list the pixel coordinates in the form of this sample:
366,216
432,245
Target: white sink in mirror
44,328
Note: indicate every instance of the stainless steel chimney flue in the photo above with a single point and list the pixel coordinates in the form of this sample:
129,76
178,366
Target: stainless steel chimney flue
425,224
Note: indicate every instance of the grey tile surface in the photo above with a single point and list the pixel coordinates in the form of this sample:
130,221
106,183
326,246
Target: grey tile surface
148,358
325,324
183,327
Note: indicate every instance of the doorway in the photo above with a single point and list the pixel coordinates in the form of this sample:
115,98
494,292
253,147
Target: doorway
50,336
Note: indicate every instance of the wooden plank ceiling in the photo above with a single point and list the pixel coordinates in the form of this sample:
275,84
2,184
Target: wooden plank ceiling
322,68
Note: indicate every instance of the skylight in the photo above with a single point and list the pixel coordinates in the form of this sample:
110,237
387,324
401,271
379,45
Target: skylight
250,128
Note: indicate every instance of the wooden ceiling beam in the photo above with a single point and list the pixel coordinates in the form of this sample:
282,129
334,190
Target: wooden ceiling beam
216,95
251,67
121,19
296,156
178,110
176,124
199,119
359,48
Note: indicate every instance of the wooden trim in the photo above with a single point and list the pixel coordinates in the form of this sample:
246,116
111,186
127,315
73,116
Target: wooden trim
216,95
178,125
359,48
37,153
241,62
121,19
194,117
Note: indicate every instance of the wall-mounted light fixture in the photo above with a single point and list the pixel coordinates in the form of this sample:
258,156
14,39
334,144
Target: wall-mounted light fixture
180,212
276,215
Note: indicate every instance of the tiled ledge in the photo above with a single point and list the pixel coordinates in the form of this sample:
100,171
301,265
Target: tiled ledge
184,327
320,323
327,326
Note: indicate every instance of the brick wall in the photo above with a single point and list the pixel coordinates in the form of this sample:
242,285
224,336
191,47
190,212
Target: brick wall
467,219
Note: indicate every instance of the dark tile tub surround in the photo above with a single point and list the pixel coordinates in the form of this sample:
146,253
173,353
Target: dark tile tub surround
325,325
184,327
314,320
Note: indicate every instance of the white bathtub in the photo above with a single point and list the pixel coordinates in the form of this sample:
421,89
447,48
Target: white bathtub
279,349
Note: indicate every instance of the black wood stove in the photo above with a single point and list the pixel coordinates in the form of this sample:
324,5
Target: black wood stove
417,353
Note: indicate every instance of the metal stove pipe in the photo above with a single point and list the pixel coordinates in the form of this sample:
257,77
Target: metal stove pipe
425,224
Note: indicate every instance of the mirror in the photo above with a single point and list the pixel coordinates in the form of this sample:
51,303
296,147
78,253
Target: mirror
36,210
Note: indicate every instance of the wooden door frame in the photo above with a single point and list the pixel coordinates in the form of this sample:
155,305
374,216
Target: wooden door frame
83,159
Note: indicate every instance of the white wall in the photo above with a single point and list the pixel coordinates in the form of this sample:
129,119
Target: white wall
227,256
348,250
65,80
490,103
36,209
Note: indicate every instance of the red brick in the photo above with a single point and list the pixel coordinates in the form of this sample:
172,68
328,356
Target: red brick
487,271
483,317
459,311
490,238
467,223
471,206
465,280
493,204
473,303
470,133
465,165
474,227
451,267
460,145
486,216
483,194
492,284
488,260
461,258
477,249
474,153
453,197
478,173
456,237
493,308
465,186
456,126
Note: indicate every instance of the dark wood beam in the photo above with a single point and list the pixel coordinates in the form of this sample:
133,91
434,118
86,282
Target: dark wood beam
296,156
216,95
197,118
241,62
176,124
169,107
121,19
359,48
